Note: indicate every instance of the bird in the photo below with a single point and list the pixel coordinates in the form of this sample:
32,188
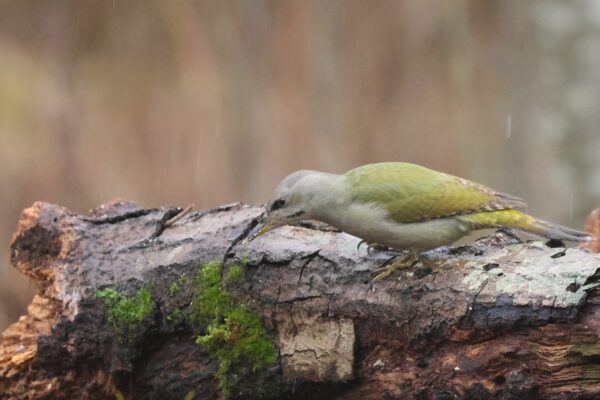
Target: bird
402,206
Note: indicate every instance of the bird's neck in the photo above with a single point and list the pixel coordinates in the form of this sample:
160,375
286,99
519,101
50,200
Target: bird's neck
328,196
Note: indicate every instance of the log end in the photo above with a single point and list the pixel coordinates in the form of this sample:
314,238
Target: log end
592,225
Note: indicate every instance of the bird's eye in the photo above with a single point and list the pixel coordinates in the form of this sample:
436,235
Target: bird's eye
277,204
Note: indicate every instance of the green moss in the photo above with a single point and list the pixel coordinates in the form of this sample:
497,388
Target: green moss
210,300
176,317
239,338
231,332
124,313
245,261
235,274
177,285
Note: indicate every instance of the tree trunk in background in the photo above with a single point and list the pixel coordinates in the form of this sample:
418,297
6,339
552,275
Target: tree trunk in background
500,319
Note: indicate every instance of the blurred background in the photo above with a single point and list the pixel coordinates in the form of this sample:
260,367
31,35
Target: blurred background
208,102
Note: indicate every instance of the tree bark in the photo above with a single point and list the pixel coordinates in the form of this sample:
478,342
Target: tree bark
499,319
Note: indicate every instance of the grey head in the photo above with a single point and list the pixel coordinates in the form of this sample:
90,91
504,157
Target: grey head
296,198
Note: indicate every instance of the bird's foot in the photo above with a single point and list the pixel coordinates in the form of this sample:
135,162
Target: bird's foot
406,261
371,246
374,247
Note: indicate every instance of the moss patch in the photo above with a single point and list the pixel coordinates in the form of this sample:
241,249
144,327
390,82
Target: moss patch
176,317
177,285
210,300
244,261
234,275
231,332
126,313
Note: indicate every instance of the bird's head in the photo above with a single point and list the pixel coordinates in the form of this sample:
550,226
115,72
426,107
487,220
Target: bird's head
294,200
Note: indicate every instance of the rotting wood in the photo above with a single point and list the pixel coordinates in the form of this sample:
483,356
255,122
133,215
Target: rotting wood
496,320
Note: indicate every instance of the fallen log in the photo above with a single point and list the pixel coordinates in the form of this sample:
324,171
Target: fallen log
132,306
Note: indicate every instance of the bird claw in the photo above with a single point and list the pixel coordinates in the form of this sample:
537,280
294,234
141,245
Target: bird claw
362,241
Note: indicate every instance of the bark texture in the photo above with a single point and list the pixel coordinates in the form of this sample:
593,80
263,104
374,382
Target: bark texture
499,319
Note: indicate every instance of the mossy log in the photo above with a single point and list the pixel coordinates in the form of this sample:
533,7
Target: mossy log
131,305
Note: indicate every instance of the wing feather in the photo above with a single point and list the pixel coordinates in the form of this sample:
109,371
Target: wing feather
411,193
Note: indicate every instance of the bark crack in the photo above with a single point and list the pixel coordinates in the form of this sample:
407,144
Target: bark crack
309,258
301,298
226,207
483,285
114,219
239,238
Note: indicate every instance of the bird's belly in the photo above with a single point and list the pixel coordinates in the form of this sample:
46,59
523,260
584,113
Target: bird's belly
377,227
421,236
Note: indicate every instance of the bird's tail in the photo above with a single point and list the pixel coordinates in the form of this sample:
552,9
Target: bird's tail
519,220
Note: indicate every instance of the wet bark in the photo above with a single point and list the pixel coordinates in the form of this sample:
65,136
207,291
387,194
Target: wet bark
500,319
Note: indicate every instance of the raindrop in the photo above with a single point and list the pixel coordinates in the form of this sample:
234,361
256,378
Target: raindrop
508,125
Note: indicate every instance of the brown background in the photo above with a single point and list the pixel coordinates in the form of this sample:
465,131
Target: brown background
207,102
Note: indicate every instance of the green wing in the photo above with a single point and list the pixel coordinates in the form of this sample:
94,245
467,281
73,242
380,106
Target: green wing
412,193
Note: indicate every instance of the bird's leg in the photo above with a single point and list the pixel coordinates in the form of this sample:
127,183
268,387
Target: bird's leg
376,247
406,261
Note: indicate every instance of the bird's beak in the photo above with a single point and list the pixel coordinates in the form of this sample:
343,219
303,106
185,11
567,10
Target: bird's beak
268,223
273,221
261,229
